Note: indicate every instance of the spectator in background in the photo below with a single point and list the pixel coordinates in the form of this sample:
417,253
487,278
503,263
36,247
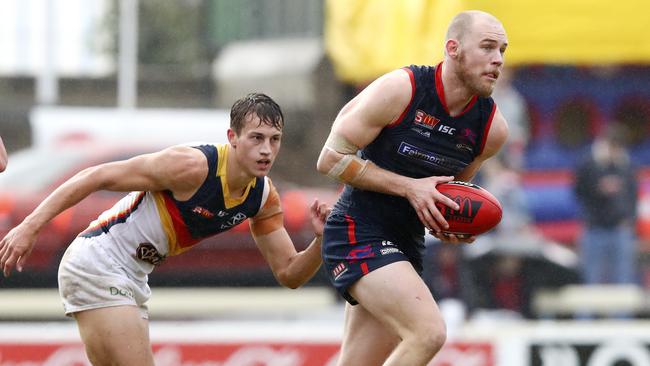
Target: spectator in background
606,189
3,156
506,266
503,281
496,265
514,108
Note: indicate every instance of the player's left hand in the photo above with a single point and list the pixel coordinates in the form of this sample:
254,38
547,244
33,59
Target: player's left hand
319,212
16,247
454,238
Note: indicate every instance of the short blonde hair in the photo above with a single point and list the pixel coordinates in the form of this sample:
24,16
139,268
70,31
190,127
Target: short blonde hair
463,21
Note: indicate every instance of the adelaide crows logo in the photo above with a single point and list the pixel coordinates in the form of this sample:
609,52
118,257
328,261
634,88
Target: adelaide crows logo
148,253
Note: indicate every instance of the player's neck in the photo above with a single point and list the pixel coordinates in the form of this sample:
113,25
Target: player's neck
457,96
237,178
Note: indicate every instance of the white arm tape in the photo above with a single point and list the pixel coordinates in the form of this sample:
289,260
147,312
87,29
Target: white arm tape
340,144
348,169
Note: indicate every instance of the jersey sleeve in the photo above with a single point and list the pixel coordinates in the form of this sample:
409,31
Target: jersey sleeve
270,217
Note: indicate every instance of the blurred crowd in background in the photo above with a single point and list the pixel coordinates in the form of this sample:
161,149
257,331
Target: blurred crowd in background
571,78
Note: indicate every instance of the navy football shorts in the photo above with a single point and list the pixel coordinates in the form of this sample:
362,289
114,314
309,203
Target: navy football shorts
354,245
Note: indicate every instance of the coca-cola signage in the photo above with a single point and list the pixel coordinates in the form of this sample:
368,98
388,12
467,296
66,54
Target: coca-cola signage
228,354
170,354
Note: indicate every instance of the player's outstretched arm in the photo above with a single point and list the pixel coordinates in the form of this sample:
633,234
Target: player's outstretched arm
356,126
292,269
180,169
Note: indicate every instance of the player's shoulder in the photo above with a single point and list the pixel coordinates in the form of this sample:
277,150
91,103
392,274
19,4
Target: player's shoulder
269,187
420,69
396,78
193,150
497,134
499,121
270,203
393,87
183,166
181,153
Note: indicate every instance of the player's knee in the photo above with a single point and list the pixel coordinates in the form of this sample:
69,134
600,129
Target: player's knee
94,356
100,353
436,341
430,338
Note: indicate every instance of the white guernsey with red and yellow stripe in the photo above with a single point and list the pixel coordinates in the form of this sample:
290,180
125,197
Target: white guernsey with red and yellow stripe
143,228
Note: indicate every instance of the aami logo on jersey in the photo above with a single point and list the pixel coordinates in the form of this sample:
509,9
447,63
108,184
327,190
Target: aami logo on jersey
466,213
430,122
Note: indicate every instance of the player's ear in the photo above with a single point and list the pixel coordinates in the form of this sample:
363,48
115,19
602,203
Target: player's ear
451,47
232,137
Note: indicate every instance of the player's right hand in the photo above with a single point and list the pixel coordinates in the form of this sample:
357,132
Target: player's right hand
15,248
423,196
319,212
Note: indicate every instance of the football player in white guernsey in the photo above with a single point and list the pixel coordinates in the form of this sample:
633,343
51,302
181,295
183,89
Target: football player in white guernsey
179,196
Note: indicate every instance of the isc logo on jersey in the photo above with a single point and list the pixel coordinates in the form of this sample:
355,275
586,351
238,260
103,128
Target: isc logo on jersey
430,122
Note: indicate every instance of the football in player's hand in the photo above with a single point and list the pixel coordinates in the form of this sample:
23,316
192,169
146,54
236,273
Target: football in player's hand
479,210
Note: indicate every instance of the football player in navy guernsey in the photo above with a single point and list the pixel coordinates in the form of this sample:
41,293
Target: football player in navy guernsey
179,196
408,131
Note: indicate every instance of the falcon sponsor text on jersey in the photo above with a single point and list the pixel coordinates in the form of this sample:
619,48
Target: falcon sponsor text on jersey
158,225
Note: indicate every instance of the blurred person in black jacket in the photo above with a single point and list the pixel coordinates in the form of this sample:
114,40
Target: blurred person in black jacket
606,189
504,269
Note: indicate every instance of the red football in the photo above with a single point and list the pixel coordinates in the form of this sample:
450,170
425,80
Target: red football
479,210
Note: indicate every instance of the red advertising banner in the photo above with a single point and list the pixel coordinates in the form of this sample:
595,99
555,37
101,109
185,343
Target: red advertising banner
229,354
180,354
465,354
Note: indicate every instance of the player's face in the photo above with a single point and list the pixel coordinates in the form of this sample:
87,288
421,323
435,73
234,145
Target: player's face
257,146
481,56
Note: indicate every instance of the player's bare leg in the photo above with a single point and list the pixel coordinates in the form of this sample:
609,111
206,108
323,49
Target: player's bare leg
366,341
115,336
398,298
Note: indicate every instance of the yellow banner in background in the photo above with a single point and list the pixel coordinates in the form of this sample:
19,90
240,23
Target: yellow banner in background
366,38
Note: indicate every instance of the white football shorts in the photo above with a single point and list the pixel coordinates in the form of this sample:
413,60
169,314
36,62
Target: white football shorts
90,279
